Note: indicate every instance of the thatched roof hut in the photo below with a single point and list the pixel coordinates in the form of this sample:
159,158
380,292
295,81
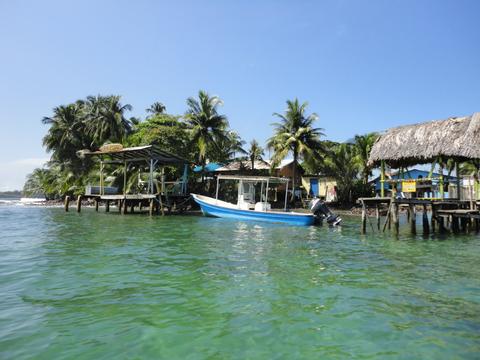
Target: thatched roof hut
457,138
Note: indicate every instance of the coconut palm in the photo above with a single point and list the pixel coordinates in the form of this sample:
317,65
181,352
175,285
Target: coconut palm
255,152
342,164
156,108
363,145
207,126
295,135
67,133
106,119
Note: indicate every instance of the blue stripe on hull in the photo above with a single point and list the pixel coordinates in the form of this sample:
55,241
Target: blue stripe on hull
218,211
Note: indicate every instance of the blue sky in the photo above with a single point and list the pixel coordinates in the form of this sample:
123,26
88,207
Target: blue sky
362,65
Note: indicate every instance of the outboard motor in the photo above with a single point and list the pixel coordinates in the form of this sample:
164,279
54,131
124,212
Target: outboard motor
321,211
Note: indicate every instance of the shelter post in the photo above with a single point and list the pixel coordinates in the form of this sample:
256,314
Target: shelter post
459,192
101,177
440,182
286,195
382,178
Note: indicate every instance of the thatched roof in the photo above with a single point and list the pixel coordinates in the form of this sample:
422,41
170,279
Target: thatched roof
408,145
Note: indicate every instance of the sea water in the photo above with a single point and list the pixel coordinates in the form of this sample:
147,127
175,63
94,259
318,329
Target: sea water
110,286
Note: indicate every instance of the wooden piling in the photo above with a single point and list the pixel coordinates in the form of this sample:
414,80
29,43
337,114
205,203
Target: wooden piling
413,218
67,202
96,205
150,210
395,217
426,228
364,218
434,218
107,206
377,216
79,203
124,207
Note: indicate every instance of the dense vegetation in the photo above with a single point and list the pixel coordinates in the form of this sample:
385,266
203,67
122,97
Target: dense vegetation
202,134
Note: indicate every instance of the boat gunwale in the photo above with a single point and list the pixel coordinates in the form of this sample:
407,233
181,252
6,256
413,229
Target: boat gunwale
273,212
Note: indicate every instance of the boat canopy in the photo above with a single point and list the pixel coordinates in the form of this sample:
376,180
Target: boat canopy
270,179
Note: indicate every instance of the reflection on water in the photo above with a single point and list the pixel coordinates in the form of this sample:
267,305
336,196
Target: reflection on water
99,285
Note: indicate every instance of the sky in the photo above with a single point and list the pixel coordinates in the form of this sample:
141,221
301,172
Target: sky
362,65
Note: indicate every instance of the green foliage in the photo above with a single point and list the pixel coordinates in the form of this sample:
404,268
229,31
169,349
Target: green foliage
342,164
208,129
167,131
295,135
157,108
363,146
255,152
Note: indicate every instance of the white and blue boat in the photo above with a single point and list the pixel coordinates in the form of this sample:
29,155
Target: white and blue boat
247,208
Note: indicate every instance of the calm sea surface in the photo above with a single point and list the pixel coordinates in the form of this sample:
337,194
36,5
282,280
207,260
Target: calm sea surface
107,286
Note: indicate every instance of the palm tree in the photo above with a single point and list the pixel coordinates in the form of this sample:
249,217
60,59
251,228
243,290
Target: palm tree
107,121
255,152
67,133
156,108
342,164
207,126
295,135
363,146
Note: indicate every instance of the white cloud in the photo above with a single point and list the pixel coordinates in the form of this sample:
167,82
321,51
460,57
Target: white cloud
13,173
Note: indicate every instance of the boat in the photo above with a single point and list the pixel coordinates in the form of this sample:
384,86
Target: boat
247,208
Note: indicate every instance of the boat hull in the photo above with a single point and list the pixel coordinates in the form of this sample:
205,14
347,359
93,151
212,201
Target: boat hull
214,210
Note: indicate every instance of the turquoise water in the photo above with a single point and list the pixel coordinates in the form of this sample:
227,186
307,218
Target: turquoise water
103,286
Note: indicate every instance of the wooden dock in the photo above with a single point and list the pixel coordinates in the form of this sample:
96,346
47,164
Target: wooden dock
445,215
131,203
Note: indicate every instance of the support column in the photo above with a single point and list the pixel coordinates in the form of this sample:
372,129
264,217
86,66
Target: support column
364,218
377,215
426,228
67,202
96,204
382,178
150,209
433,219
395,218
79,203
413,218
107,206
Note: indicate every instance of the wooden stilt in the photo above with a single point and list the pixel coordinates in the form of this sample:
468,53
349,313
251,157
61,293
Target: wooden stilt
426,228
433,219
377,216
364,218
79,203
387,218
107,206
395,218
152,203
125,207
413,218
120,205
132,207
96,205
67,202
162,209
